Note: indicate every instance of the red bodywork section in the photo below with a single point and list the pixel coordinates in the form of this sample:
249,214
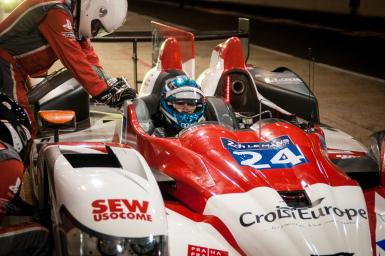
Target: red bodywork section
203,167
170,55
231,53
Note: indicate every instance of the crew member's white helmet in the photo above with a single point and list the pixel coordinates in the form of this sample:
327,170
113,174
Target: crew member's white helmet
100,17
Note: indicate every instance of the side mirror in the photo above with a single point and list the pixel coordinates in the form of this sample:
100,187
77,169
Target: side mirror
57,120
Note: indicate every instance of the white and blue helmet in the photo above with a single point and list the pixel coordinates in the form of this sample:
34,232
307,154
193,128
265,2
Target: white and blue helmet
182,90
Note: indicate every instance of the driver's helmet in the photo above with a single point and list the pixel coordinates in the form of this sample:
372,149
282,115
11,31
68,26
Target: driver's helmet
182,102
97,18
15,126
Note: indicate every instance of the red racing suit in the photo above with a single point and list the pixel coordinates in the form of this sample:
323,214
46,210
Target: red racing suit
21,239
33,37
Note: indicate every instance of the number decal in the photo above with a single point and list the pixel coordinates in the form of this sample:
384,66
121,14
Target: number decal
286,156
255,158
277,153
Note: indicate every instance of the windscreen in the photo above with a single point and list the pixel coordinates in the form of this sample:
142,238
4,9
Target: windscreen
185,40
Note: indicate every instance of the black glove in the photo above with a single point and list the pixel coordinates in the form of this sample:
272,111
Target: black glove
117,92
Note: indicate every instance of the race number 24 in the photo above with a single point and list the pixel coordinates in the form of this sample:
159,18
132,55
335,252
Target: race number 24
284,158
277,153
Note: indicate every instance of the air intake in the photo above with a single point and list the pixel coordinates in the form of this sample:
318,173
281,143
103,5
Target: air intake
295,199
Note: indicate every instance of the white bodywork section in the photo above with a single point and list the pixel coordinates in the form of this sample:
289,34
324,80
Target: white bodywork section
149,81
339,140
78,188
209,78
189,68
263,224
184,232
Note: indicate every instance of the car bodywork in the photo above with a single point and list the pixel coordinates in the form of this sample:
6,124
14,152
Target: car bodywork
254,179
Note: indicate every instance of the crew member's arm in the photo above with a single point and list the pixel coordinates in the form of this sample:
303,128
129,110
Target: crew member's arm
93,58
57,28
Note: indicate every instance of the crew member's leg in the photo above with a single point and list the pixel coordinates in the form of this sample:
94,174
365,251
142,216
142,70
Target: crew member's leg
23,239
13,83
11,173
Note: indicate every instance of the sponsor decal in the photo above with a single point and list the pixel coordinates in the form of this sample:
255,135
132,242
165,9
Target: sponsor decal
277,153
68,25
344,154
5,204
68,30
122,209
15,188
283,80
247,219
194,250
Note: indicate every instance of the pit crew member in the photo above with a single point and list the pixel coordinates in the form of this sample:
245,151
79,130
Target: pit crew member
15,138
38,32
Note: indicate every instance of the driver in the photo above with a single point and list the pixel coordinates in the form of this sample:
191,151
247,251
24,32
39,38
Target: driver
37,33
182,104
15,138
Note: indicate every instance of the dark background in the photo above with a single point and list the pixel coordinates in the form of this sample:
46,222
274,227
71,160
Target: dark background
347,41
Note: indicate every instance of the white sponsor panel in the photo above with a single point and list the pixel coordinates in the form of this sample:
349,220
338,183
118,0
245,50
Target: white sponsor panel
187,237
337,139
122,202
336,222
380,224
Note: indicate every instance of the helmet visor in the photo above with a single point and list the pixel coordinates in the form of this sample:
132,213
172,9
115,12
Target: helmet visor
187,106
97,29
187,101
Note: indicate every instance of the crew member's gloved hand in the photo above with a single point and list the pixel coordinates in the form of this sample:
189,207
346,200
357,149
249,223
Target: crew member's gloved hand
117,92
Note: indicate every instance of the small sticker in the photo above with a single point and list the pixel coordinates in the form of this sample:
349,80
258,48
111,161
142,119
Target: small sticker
68,30
194,250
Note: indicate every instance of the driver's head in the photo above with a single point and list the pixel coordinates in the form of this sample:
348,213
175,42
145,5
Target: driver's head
96,18
182,102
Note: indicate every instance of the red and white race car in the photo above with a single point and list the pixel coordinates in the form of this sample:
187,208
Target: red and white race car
253,179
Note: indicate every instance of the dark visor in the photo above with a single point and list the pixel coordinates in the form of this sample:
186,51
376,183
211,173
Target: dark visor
97,28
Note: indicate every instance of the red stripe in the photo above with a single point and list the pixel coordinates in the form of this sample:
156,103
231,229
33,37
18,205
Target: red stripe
370,204
344,154
214,221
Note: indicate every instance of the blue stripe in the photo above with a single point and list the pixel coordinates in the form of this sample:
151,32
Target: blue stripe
381,244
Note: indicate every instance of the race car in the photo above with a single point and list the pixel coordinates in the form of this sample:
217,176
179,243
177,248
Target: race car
253,179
